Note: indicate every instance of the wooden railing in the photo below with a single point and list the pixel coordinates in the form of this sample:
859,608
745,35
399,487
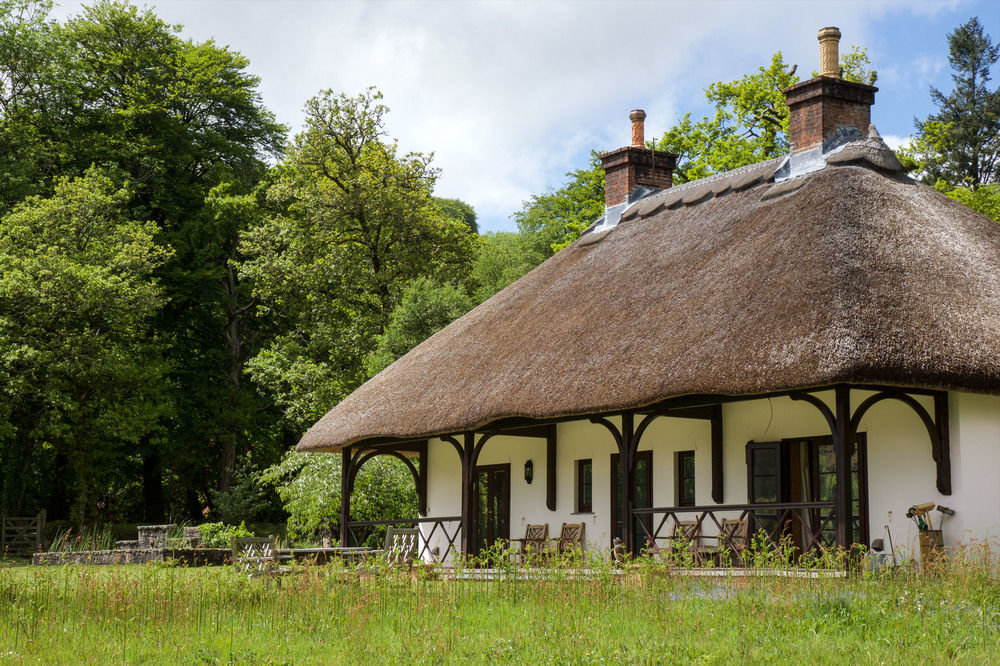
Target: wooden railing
372,532
806,526
21,535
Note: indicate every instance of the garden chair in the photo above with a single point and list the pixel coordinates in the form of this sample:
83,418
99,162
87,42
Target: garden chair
570,538
255,556
686,538
534,543
733,539
401,544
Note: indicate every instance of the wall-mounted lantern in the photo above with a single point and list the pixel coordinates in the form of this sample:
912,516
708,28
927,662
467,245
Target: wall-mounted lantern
529,471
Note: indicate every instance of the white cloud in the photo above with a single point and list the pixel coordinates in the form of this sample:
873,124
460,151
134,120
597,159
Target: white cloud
511,95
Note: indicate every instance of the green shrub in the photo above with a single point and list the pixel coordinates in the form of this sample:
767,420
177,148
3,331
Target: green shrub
220,535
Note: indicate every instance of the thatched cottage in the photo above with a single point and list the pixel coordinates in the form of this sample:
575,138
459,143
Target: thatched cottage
811,344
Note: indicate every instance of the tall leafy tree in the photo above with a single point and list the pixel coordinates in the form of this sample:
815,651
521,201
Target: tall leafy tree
115,86
750,124
80,368
960,144
352,222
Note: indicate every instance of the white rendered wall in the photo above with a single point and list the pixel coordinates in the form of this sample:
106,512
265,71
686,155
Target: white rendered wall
975,470
901,471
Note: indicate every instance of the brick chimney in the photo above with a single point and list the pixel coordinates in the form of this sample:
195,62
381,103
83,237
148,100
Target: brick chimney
827,108
635,166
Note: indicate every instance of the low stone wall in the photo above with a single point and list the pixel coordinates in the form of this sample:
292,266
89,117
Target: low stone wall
191,557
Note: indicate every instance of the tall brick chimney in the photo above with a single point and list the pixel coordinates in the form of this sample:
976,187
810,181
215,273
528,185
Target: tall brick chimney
827,108
628,168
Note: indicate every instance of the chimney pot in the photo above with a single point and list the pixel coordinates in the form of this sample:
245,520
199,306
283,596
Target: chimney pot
638,116
829,52
827,107
634,166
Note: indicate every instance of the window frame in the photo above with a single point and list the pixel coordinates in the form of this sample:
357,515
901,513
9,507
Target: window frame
582,488
679,478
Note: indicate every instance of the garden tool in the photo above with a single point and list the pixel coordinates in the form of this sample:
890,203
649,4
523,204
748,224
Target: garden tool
919,514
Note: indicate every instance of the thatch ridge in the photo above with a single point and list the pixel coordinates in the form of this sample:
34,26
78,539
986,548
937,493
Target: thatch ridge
844,275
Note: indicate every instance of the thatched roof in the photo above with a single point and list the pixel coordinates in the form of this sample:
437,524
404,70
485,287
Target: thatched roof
733,285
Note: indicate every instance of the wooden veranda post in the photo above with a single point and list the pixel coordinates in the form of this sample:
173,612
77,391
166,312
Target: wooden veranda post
627,458
842,436
468,453
346,481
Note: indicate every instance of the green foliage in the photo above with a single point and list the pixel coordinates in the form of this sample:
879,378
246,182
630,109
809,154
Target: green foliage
309,487
351,222
221,535
984,199
553,220
960,144
78,361
456,209
856,66
173,119
247,498
425,307
97,537
750,125
502,258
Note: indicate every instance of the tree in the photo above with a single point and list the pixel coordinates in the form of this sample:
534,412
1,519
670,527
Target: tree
351,223
425,307
456,209
960,144
555,219
502,258
80,368
115,86
309,487
750,124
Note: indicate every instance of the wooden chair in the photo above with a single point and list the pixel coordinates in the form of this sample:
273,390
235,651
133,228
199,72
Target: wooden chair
686,539
534,543
733,539
570,538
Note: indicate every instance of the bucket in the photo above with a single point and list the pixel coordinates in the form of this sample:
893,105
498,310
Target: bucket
931,542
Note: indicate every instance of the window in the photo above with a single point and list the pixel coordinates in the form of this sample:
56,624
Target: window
584,486
805,470
685,478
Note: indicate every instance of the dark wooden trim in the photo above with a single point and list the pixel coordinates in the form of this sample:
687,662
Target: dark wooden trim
943,422
468,448
679,458
419,471
937,428
581,506
842,440
422,479
686,402
550,467
346,483
615,432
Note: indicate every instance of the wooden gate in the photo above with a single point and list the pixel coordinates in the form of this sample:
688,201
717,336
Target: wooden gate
21,535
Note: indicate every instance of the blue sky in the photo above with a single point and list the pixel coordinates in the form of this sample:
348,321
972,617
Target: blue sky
509,96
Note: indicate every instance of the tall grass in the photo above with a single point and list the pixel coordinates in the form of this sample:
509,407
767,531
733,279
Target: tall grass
585,612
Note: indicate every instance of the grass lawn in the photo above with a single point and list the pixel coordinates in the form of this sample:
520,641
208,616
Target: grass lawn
161,614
